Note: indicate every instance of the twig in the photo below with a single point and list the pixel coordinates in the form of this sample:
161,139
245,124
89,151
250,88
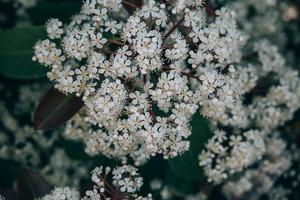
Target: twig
173,28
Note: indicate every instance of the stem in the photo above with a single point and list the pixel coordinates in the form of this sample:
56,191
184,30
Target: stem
110,189
116,195
209,9
102,195
126,86
168,46
149,24
152,114
173,28
107,52
138,81
117,42
190,75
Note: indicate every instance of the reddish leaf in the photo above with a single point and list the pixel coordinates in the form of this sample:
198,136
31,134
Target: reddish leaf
132,5
8,194
55,109
31,185
209,9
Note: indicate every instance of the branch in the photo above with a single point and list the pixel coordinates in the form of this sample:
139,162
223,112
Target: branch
173,28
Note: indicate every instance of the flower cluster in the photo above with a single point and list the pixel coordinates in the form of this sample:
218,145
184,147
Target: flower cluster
253,25
243,150
62,193
121,182
271,106
276,160
125,179
143,76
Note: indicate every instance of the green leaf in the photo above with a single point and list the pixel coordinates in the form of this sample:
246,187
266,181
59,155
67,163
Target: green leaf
8,172
31,185
63,10
55,109
180,185
16,51
186,166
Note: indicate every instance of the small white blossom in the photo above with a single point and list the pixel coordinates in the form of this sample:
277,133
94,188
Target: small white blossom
54,28
64,193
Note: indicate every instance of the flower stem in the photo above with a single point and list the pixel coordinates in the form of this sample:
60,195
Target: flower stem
173,28
117,42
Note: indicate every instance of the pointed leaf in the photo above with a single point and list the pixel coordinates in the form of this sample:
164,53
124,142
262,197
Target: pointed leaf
132,5
186,166
16,51
55,109
31,185
8,194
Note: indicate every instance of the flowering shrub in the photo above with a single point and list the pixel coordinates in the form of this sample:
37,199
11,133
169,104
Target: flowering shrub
150,68
180,99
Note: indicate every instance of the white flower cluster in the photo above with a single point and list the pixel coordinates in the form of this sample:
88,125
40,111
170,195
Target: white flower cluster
252,23
54,28
141,77
125,183
276,161
127,178
255,120
121,182
62,193
180,5
243,150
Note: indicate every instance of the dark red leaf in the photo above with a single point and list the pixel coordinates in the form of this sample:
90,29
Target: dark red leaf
209,9
31,185
132,5
8,194
55,109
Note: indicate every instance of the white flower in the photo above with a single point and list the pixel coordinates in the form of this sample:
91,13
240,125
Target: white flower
54,28
179,50
64,193
112,26
127,178
138,85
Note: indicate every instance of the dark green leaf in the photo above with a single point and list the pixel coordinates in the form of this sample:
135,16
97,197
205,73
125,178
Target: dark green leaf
186,166
16,51
62,10
55,109
8,172
31,185
180,185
